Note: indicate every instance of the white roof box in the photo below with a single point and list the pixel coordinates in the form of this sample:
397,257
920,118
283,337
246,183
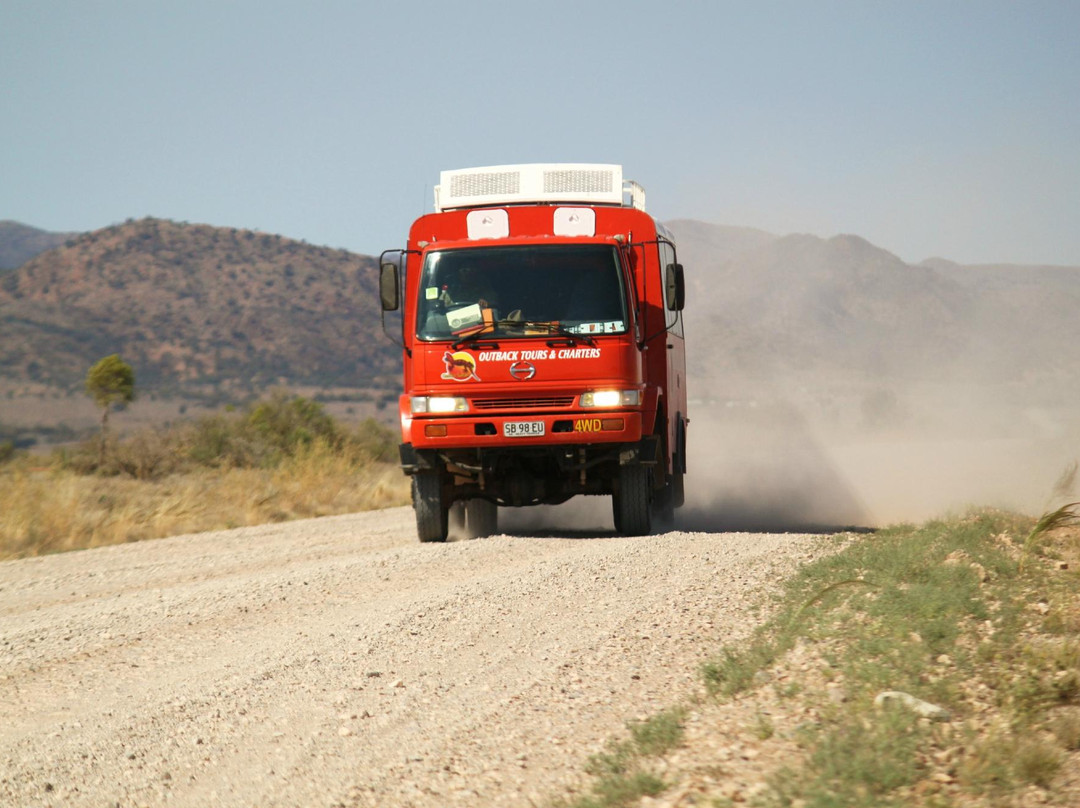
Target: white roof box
583,183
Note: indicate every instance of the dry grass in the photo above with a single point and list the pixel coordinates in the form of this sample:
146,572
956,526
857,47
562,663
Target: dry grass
53,510
277,459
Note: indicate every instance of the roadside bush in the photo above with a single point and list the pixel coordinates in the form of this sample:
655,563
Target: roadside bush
262,436
222,441
149,455
82,458
376,440
286,423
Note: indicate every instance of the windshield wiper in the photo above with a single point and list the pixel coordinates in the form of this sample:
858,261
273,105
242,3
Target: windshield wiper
476,338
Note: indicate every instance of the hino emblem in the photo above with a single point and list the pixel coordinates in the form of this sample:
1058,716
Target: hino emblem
523,371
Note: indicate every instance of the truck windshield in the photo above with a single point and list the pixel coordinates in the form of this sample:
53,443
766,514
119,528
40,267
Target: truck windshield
522,291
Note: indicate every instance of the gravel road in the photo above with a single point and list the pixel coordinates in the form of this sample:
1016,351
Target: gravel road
337,661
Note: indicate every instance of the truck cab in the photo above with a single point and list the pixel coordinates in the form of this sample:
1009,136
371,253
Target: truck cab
542,346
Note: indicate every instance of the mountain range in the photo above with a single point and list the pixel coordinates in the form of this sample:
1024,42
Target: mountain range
193,306
807,309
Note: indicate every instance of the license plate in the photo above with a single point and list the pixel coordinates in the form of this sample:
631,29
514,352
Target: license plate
522,429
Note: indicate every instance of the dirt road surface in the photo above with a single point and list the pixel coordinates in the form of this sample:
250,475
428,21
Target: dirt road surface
339,662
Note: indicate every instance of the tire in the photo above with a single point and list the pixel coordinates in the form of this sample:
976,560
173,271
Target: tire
631,503
481,518
432,510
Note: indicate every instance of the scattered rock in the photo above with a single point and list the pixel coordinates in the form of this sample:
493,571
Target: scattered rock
836,694
924,709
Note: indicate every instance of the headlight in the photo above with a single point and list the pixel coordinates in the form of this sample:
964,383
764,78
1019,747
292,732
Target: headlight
438,404
611,398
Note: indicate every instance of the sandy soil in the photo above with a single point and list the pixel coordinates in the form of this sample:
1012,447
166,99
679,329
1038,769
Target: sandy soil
338,662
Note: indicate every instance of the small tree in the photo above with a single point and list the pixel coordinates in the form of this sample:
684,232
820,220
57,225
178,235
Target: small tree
111,383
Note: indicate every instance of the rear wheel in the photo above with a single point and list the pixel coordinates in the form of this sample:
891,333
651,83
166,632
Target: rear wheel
631,503
432,509
481,518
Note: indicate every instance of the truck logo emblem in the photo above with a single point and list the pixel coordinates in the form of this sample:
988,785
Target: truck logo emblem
460,366
523,371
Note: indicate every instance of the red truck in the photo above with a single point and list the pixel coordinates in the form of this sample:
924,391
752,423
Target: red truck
543,350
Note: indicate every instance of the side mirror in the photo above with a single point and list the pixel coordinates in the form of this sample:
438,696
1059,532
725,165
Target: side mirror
674,287
388,286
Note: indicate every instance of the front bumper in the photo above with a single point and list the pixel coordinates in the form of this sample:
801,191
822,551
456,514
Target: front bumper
489,430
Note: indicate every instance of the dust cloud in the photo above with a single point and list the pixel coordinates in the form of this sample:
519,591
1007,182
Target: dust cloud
873,454
761,469
849,454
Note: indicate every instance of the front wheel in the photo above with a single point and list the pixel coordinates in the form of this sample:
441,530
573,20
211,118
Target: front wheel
432,509
631,504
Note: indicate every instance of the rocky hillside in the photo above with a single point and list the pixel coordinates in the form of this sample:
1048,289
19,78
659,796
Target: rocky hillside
192,305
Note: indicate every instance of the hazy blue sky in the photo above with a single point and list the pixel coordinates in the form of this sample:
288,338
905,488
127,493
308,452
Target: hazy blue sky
930,128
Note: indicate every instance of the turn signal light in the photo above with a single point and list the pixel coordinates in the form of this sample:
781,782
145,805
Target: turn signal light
612,425
435,430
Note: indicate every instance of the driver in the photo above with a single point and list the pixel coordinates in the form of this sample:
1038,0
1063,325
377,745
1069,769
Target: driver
468,285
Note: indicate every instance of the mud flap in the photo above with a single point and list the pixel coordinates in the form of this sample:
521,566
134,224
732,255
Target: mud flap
646,452
414,462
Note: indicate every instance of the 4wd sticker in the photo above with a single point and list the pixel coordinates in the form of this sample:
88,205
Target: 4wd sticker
587,425
460,366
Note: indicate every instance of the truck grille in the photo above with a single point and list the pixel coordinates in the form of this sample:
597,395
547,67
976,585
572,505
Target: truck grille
554,402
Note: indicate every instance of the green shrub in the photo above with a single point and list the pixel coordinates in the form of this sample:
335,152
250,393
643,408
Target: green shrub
223,441
287,423
261,436
377,440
